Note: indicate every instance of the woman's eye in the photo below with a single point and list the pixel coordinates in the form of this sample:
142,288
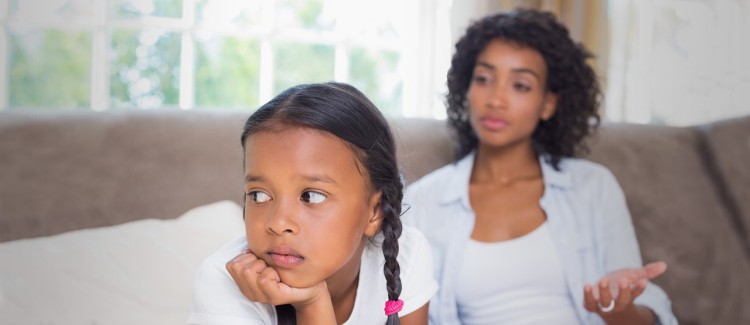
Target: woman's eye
481,80
521,87
313,197
259,197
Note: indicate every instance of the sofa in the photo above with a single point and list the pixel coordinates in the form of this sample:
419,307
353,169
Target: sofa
105,216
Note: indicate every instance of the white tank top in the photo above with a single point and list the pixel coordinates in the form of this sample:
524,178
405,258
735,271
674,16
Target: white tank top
517,281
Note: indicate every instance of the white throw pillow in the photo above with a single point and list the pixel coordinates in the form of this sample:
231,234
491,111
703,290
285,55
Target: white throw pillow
139,272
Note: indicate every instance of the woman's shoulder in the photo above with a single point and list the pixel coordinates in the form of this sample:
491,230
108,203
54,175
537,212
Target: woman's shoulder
440,179
583,171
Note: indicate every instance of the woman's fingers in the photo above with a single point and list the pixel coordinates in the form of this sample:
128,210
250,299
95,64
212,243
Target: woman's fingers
625,295
605,295
589,301
639,287
655,269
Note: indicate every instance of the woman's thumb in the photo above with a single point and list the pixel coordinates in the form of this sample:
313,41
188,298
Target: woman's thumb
655,269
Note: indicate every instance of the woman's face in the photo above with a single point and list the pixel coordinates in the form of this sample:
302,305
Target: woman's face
508,95
308,211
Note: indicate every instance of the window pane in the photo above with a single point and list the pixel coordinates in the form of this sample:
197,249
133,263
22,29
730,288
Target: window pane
45,10
378,19
145,68
302,63
311,14
49,69
227,71
222,12
138,8
376,74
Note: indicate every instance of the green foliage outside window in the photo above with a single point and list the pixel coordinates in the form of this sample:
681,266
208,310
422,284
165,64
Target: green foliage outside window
50,69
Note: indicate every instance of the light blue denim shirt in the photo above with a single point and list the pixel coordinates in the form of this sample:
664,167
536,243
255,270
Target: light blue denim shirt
587,216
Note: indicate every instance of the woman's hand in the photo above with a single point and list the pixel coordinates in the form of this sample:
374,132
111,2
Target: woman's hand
614,294
261,283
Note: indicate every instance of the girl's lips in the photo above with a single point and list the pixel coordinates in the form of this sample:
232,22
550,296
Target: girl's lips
494,124
285,257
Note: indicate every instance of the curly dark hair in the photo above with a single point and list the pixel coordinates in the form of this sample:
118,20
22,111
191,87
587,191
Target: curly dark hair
569,76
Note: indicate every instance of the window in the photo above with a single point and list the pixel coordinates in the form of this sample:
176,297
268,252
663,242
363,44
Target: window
205,54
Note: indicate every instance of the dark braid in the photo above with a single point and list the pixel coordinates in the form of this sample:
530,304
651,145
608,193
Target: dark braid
345,112
286,315
391,207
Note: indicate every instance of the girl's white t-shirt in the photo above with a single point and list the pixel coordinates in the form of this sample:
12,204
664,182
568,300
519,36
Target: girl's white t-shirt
218,300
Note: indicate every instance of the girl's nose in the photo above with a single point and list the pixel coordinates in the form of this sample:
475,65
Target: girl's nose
283,219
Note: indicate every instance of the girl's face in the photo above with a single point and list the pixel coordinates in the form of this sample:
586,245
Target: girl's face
507,94
308,211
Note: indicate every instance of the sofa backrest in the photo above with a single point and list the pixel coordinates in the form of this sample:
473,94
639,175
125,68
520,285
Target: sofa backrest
67,171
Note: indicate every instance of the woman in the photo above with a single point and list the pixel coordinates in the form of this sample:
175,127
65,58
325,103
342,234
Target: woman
521,231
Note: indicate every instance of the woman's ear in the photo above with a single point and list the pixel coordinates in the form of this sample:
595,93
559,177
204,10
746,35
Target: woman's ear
375,215
550,106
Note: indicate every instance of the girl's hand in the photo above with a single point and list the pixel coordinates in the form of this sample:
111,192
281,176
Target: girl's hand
616,291
261,283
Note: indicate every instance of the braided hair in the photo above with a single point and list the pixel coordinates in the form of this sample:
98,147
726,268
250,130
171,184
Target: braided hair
345,112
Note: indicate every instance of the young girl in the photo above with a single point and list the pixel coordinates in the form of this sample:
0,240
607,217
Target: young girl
324,242
522,231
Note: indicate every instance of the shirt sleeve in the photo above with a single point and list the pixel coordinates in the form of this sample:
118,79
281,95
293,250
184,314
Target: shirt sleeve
621,249
217,299
417,280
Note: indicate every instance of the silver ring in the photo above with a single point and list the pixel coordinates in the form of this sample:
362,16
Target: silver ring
608,308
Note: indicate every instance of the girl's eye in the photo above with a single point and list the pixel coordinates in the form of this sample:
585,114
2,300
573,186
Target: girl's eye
259,197
313,197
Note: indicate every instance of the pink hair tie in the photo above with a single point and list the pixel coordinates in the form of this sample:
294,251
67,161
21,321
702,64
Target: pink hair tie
393,306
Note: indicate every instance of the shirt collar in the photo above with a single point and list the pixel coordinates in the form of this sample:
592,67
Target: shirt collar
552,177
458,184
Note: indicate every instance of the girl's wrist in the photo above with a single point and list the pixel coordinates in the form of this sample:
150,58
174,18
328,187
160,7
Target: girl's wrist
318,301
316,310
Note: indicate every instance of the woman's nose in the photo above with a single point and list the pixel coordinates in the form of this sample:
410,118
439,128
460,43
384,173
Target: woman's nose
497,97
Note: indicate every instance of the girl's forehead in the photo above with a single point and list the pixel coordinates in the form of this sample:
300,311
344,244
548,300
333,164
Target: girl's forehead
301,150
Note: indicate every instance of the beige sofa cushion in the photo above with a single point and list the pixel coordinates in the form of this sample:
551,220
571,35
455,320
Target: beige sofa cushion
135,273
679,218
728,143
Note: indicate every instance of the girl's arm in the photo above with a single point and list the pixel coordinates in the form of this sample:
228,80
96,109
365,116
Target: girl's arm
417,317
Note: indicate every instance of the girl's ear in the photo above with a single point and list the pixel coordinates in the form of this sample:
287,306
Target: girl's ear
375,215
550,106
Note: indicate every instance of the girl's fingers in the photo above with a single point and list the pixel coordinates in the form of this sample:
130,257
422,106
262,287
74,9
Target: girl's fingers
268,284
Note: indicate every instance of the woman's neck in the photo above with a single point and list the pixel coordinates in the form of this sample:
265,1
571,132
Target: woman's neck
505,164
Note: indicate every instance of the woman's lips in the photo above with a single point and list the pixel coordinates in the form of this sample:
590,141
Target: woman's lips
493,124
285,257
